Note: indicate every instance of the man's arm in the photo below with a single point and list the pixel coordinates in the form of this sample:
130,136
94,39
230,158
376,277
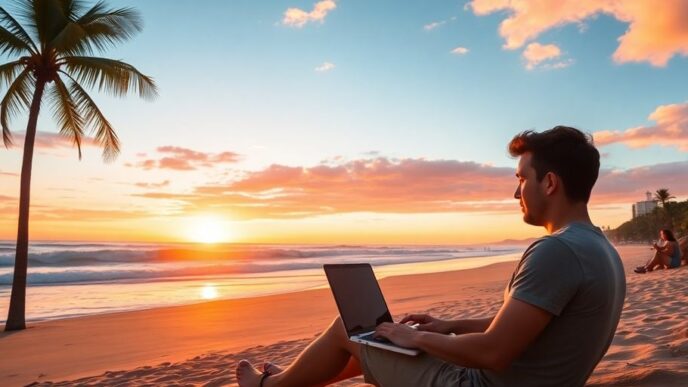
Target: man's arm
513,329
476,325
432,324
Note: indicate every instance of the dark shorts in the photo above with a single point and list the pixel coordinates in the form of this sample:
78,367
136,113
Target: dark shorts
386,368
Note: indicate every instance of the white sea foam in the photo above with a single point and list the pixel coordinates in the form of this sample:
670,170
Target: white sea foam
72,279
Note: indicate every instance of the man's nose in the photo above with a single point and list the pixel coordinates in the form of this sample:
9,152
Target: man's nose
517,194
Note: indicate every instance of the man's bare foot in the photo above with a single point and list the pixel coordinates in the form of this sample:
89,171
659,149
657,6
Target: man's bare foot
272,368
247,375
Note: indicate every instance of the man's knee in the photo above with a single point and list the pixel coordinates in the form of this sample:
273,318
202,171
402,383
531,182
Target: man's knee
337,327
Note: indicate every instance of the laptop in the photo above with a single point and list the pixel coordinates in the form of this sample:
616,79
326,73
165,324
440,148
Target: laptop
361,304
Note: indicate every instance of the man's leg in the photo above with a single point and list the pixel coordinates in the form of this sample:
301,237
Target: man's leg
322,361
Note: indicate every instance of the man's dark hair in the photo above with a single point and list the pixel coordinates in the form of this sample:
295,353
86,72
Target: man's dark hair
565,151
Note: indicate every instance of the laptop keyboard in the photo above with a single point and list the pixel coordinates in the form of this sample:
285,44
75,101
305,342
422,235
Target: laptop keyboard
369,337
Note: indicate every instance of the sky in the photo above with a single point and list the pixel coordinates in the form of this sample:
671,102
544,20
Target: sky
361,122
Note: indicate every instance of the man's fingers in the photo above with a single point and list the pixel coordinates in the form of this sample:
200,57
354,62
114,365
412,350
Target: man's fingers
418,318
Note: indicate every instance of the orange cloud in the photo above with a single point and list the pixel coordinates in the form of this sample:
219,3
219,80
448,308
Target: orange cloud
296,17
183,159
370,185
537,54
671,130
657,30
382,185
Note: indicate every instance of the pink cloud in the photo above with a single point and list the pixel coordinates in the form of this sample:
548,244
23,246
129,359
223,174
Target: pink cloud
183,159
296,17
536,54
48,140
671,130
153,185
657,30
9,174
626,186
375,185
383,185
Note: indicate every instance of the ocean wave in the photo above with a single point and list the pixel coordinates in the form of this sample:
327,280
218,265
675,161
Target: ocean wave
118,272
67,255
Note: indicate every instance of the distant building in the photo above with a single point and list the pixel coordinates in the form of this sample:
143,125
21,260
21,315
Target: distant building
644,207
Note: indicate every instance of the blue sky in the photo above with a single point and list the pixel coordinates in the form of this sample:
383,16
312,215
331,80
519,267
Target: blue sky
233,77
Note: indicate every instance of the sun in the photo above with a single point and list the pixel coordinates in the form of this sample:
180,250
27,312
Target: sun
208,229
209,291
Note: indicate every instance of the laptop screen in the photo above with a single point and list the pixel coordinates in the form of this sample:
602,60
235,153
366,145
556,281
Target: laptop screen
358,296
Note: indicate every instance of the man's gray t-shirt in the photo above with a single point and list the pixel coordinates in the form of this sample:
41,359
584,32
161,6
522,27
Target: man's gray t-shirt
576,275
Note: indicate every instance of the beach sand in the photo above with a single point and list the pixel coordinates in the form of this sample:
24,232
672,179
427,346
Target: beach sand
201,344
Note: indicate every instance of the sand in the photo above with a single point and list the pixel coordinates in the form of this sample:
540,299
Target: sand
201,344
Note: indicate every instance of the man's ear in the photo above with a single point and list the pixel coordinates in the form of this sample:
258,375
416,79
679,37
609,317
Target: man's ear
551,183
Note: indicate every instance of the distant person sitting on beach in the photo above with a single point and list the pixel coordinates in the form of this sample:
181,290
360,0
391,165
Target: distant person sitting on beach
560,311
667,253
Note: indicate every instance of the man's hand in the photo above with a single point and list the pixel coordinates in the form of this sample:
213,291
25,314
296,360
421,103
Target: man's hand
400,334
427,323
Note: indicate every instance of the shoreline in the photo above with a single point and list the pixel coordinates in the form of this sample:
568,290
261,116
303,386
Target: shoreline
199,344
237,286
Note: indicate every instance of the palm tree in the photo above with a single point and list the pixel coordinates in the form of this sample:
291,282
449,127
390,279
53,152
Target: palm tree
55,57
663,196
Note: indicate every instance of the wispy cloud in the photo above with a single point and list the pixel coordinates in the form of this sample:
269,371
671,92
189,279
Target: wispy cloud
296,17
382,185
630,185
671,130
48,140
325,67
153,185
657,30
183,159
433,25
374,185
460,51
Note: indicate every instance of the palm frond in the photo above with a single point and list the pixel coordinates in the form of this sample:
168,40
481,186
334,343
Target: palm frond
66,113
45,18
99,28
71,8
127,20
17,98
13,27
95,121
10,44
9,71
111,76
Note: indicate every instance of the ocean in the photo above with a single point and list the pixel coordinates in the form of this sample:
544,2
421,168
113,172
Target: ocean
68,279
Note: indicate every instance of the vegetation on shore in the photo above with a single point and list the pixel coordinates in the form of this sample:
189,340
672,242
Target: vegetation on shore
669,214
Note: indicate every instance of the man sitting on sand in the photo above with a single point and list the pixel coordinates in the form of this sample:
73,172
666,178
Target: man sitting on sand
561,306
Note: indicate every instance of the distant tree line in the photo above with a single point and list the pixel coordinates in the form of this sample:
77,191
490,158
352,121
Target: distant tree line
645,228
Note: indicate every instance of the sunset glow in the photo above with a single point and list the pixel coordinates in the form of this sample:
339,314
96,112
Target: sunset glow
279,139
209,292
208,229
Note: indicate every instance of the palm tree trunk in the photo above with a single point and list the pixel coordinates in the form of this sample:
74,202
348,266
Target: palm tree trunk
16,315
